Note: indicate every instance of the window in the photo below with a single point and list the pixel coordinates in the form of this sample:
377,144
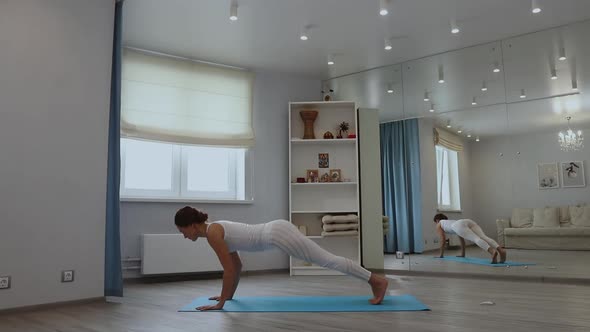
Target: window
447,179
156,170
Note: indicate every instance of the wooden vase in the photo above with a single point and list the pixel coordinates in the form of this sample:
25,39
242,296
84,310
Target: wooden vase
308,117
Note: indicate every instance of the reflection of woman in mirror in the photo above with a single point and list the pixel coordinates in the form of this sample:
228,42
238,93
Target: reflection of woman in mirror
467,229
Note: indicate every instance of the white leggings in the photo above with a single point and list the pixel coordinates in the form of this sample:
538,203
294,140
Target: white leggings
469,230
287,237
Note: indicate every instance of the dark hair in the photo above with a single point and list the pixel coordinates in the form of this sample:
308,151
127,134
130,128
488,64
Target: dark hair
188,216
440,216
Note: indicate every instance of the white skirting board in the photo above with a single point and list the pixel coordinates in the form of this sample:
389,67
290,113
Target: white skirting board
172,253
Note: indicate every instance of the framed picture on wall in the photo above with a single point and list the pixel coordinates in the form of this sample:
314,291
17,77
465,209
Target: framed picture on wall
572,174
323,160
548,175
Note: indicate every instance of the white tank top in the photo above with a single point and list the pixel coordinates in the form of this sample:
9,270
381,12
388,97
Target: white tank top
447,226
245,237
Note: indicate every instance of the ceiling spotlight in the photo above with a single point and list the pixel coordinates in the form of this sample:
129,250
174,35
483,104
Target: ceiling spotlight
233,11
575,84
522,94
535,8
553,73
389,88
496,67
441,74
468,135
449,124
454,27
431,108
477,139
459,131
426,98
383,5
562,54
304,33
484,86
388,45
473,102
330,60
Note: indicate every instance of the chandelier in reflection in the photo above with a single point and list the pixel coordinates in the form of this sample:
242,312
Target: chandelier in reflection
570,140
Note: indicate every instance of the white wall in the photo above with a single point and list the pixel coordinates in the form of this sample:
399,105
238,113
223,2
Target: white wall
509,181
428,183
272,93
55,68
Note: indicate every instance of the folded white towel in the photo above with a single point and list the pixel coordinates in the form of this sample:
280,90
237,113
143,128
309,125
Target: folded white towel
329,219
340,233
340,227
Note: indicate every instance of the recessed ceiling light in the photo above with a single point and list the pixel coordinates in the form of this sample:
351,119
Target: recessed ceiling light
383,7
496,67
454,27
431,108
477,139
553,74
473,102
441,74
304,33
389,88
575,84
388,45
426,97
562,56
484,86
330,60
233,11
535,8
469,135
522,94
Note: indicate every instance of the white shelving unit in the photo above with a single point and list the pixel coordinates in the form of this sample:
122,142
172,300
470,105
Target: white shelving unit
309,202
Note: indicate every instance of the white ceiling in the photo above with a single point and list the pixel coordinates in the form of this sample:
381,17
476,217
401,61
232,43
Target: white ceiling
266,35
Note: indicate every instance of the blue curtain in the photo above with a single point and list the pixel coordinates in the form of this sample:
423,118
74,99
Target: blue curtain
113,276
400,170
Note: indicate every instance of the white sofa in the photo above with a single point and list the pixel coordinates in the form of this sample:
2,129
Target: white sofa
552,228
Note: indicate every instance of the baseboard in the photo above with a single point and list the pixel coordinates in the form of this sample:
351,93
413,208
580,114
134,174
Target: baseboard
52,305
461,275
195,276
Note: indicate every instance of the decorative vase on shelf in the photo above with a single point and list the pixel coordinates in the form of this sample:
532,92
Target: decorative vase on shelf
308,117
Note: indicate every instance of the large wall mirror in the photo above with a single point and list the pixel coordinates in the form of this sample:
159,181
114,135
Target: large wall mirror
493,147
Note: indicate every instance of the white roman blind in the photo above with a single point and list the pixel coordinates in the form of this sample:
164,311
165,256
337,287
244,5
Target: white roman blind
447,140
181,101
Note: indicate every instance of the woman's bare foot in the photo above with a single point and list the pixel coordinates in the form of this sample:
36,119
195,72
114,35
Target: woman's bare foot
379,287
495,257
502,254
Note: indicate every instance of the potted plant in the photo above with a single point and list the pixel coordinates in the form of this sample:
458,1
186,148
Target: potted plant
343,128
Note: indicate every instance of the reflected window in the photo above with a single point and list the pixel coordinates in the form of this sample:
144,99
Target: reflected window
447,179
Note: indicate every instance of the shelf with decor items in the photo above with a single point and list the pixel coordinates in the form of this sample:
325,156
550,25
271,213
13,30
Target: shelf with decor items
323,178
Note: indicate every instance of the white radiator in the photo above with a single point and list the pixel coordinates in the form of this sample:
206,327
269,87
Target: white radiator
172,253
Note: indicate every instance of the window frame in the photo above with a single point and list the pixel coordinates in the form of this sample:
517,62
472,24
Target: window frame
179,191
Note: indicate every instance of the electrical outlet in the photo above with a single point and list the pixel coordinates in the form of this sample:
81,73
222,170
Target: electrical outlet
67,276
5,282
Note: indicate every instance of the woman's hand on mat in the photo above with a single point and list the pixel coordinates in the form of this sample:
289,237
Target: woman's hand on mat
217,306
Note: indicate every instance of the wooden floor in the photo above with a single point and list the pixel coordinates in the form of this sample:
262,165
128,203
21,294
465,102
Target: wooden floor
455,305
549,263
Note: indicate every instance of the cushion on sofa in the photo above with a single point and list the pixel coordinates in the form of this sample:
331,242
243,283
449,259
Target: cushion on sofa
533,231
546,217
580,216
564,216
521,218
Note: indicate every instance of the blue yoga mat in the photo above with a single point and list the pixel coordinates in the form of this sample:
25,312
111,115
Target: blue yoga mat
311,304
482,261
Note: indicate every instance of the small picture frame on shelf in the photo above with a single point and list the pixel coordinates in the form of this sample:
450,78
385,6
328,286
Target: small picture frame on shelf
312,175
325,177
323,160
335,175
